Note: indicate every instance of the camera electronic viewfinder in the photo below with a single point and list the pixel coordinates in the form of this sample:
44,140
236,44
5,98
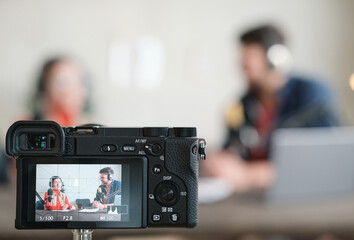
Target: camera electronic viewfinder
96,177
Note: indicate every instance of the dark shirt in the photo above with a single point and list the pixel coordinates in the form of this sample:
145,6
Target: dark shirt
300,103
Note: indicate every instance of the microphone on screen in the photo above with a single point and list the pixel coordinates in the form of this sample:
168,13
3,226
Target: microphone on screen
50,194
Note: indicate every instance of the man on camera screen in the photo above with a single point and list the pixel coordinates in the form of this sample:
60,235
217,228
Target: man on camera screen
109,189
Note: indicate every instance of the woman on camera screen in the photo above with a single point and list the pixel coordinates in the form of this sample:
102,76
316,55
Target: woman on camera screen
55,198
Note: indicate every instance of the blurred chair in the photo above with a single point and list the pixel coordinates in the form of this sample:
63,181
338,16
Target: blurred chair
5,167
39,205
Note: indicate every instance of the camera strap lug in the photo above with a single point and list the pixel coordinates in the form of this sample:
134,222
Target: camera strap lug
201,148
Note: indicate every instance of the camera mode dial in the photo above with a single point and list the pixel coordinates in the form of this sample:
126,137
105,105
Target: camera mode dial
185,132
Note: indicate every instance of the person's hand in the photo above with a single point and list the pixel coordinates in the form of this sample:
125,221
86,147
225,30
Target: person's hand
96,204
66,206
240,175
231,168
73,208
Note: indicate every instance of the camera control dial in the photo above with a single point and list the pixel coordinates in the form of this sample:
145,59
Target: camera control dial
155,131
166,193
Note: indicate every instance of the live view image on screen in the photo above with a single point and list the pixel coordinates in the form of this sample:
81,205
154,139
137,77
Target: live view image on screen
80,192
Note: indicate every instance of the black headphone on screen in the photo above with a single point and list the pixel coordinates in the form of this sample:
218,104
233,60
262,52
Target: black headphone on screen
109,171
55,177
109,176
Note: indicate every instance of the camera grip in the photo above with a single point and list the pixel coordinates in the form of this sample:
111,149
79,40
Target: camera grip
182,162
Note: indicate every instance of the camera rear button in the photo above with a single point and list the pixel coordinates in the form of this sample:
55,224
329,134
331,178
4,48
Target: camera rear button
194,150
156,149
109,148
157,169
174,217
129,148
156,217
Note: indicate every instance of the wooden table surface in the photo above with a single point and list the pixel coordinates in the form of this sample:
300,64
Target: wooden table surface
231,217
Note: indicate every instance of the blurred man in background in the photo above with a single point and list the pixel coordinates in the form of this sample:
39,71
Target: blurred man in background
273,100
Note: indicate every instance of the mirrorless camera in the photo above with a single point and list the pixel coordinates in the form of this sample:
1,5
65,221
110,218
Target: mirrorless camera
96,177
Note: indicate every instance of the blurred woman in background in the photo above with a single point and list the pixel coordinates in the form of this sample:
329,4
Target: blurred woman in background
62,93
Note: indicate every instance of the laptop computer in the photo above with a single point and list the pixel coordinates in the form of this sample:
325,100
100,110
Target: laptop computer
312,163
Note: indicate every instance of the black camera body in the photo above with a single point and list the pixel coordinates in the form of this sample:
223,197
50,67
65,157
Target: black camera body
157,175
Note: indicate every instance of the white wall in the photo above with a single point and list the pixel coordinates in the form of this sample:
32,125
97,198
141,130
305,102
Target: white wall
199,74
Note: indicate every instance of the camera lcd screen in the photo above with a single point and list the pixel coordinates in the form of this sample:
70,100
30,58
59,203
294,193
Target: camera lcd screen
81,192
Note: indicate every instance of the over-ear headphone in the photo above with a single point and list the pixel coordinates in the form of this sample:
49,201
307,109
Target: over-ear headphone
272,41
279,57
109,176
109,171
55,177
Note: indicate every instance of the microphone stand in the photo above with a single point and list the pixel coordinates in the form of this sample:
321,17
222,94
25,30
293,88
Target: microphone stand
78,234
40,198
86,234
82,234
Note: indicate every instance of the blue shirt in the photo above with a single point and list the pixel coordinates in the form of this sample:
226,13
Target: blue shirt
116,188
300,103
